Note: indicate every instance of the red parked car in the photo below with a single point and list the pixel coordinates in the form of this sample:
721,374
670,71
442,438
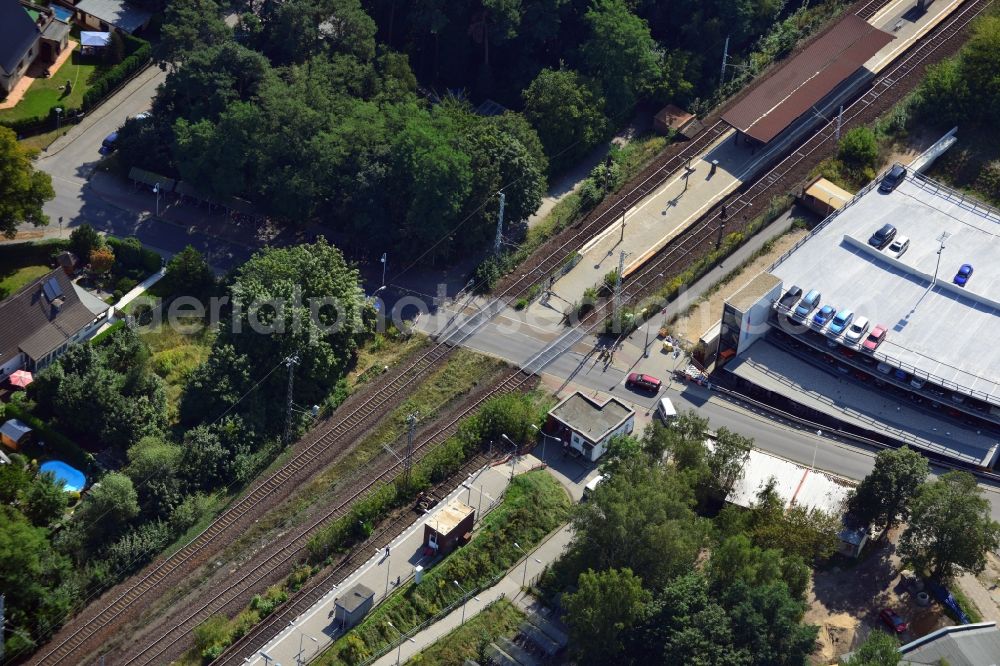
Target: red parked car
643,382
875,338
892,620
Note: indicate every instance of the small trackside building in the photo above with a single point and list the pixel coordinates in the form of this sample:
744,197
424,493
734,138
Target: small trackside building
586,426
449,527
353,606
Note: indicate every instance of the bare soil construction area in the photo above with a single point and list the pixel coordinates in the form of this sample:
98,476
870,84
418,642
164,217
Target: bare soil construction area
845,601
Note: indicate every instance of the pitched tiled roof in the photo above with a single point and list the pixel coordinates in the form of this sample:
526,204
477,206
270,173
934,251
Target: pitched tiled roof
17,33
33,323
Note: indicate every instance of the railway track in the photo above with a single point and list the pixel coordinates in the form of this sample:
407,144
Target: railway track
386,396
295,548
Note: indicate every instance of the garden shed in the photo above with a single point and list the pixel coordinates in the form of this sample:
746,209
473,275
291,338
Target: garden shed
14,434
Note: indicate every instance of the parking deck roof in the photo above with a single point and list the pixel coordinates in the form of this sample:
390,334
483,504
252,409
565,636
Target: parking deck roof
942,332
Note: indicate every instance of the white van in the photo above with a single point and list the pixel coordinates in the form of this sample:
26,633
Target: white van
666,411
592,485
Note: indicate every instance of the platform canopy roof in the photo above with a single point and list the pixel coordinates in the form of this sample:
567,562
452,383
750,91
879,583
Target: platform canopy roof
806,78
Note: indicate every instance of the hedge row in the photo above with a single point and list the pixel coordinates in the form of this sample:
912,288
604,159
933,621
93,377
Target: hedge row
130,255
100,88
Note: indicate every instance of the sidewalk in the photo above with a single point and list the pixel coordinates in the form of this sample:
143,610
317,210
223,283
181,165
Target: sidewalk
510,587
482,491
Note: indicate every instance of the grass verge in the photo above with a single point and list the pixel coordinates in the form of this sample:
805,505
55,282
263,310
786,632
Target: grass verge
501,618
535,505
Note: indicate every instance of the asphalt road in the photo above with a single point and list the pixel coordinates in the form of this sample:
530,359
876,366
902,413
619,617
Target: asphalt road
71,160
505,336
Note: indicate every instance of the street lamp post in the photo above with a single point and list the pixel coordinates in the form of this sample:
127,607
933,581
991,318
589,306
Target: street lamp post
544,437
464,603
513,457
524,576
156,191
384,262
402,638
623,226
298,657
387,568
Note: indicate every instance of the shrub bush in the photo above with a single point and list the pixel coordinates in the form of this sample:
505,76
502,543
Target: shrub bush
125,285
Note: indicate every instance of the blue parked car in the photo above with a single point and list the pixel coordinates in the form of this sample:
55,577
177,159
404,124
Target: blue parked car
963,275
840,322
823,317
808,303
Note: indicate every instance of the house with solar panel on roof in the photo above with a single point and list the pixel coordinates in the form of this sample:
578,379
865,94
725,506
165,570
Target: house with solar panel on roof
38,323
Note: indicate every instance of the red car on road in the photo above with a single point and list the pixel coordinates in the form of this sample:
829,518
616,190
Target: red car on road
643,382
892,620
875,338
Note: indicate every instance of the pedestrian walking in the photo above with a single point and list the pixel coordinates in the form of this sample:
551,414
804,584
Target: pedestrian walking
387,551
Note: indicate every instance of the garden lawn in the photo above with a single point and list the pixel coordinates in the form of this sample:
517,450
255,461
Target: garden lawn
46,93
500,618
12,279
535,505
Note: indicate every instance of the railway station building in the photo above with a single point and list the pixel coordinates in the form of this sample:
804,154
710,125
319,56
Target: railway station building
933,381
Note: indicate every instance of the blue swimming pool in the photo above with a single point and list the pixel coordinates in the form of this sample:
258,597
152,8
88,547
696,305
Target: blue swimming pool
63,14
72,478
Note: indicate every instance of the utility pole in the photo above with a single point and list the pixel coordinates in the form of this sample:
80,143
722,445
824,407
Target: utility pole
618,285
725,57
290,362
840,122
411,428
499,238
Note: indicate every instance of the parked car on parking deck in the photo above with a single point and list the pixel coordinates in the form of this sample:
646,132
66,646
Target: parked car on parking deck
875,338
840,322
857,329
882,237
808,303
917,382
791,297
898,246
823,317
896,175
963,275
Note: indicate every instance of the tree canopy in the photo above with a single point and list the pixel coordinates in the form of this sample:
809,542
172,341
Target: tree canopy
950,528
883,497
23,189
